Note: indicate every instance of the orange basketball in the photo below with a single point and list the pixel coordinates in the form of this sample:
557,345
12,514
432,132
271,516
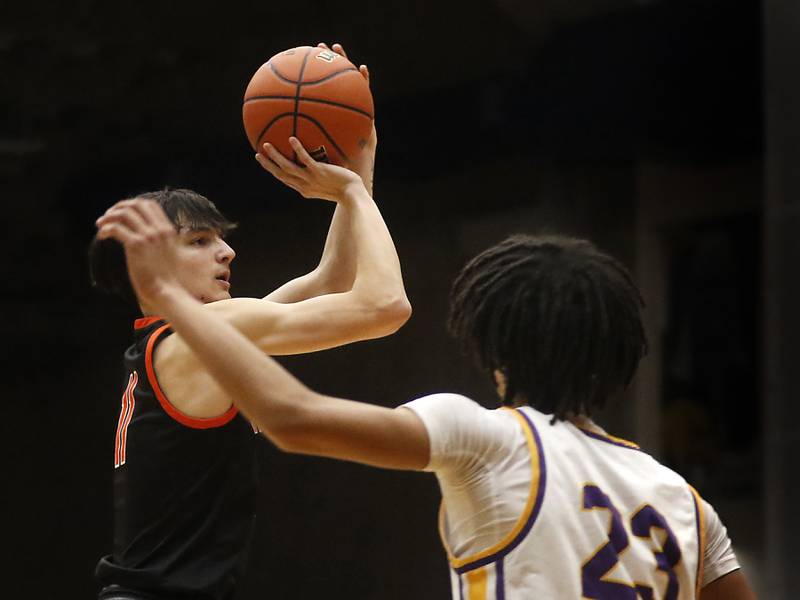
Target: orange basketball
314,94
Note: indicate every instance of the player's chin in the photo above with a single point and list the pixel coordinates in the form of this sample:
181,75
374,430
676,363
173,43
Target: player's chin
215,296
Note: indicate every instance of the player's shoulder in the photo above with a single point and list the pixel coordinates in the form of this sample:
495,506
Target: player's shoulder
448,403
458,412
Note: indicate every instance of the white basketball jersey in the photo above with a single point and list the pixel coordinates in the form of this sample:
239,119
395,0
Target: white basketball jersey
603,520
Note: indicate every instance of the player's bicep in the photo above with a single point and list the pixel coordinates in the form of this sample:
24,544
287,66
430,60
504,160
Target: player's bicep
732,586
353,431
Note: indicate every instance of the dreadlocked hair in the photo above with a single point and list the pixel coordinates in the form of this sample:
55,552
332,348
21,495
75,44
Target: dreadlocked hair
559,318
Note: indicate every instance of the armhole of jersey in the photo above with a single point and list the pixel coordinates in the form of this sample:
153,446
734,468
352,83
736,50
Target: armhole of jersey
169,408
700,520
529,514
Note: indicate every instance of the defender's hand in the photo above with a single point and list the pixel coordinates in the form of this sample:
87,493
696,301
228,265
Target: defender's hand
311,179
150,242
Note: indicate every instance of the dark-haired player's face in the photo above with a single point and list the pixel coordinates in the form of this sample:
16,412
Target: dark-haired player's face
205,264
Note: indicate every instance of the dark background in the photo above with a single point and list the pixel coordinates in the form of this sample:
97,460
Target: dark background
664,130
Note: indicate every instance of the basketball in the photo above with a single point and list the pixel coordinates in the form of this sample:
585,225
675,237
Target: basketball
314,94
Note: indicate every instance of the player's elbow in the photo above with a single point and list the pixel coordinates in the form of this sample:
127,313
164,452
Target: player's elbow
290,432
390,314
299,436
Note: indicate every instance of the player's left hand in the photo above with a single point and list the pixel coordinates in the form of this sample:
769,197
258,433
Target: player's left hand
364,162
311,179
150,241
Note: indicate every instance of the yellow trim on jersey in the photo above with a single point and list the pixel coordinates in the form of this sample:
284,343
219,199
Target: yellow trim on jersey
476,580
610,438
701,551
536,462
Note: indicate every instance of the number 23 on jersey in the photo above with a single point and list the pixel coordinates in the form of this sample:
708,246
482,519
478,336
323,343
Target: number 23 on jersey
594,572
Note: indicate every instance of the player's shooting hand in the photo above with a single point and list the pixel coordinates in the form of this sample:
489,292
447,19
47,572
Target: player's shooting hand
311,179
150,242
364,162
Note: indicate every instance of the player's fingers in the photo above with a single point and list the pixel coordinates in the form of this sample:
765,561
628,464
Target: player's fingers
285,171
364,72
323,45
119,204
130,204
157,218
277,172
339,49
119,232
141,207
126,214
303,156
279,159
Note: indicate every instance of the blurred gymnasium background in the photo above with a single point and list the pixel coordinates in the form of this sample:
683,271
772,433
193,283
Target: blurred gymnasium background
664,130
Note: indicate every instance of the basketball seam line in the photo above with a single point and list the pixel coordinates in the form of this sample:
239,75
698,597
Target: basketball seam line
326,134
328,76
306,99
285,79
268,125
297,97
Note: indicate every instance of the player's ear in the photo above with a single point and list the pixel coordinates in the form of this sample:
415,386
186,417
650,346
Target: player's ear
500,382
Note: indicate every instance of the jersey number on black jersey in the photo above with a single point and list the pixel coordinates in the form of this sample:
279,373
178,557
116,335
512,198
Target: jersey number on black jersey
125,416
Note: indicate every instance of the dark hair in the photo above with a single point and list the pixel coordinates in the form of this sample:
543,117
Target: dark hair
185,208
558,317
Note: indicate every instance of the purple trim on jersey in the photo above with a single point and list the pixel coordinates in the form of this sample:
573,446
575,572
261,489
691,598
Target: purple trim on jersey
700,549
607,440
537,506
499,581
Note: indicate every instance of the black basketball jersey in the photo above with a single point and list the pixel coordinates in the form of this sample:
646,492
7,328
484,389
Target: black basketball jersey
184,488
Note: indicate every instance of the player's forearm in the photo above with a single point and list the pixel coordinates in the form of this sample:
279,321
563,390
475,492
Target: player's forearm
335,272
337,267
378,278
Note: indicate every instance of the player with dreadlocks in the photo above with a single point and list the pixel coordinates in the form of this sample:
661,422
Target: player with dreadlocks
557,349
538,501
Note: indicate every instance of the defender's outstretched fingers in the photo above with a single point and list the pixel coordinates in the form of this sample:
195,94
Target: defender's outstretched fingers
125,214
158,219
140,206
119,232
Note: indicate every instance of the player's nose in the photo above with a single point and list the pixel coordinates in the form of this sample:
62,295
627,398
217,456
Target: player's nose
226,253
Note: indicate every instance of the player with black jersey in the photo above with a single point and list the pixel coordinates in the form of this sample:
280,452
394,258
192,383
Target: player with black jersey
188,489
184,479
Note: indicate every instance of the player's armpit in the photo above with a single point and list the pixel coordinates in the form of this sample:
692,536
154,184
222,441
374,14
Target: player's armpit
733,586
353,431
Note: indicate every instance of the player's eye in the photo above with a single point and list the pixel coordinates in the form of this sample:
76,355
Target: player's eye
200,241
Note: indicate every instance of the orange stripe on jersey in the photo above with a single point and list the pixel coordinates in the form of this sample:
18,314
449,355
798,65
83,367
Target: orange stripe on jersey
122,410
131,407
145,321
172,411
125,415
701,529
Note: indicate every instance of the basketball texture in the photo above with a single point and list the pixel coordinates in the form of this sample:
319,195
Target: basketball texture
314,94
